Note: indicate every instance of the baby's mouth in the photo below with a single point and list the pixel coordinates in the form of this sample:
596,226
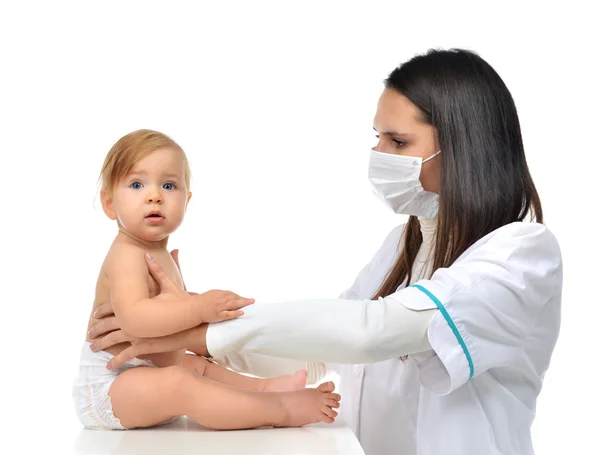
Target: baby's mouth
155,218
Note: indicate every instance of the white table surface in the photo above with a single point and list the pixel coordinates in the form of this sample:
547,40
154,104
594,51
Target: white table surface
185,437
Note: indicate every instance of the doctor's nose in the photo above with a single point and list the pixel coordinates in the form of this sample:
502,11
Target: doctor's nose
379,146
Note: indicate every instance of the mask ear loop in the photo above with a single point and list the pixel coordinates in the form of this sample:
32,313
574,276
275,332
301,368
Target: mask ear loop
431,157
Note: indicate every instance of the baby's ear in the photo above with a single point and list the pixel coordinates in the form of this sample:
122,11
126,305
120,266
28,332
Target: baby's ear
107,204
188,199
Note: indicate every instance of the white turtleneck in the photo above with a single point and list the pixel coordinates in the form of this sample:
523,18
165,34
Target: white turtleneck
424,260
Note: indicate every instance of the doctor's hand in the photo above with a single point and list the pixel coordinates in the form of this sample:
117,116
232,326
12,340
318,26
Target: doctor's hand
107,333
193,339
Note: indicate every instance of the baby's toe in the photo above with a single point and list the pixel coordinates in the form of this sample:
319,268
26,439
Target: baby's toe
334,396
327,387
325,418
332,403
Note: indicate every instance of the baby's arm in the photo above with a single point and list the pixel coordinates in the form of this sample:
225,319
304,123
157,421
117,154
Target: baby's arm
137,313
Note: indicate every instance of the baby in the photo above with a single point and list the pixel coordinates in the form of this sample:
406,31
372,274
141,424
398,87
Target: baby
145,189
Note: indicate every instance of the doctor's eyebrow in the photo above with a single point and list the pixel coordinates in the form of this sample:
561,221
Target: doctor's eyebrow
393,133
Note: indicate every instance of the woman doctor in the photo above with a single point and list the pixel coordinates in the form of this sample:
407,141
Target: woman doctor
443,340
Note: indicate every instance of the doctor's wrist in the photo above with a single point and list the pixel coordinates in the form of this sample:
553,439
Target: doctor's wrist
196,340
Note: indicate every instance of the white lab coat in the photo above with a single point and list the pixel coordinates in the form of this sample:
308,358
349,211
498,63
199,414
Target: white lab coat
470,385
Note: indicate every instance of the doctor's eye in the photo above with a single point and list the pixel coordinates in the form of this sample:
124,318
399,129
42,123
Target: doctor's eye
169,186
398,143
136,185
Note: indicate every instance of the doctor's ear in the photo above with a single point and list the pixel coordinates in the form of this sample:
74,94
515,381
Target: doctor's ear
107,204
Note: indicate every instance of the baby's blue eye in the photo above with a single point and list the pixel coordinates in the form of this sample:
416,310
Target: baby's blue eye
169,186
136,185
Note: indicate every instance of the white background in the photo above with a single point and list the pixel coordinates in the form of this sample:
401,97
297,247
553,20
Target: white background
273,102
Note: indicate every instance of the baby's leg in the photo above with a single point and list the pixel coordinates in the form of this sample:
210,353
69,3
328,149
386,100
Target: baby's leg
143,397
218,373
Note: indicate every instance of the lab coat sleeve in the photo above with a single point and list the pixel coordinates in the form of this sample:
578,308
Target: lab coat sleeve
325,330
365,284
349,330
266,366
351,292
489,300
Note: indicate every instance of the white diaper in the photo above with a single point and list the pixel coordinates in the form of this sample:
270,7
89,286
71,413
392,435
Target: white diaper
90,390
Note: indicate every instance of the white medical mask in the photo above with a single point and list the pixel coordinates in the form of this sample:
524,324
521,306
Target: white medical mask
395,180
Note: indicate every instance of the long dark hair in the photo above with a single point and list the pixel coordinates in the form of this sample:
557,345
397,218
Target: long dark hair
484,182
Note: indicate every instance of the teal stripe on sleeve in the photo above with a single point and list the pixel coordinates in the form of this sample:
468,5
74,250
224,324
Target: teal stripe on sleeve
451,324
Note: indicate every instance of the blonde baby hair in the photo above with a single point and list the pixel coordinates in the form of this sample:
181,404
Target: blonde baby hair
132,148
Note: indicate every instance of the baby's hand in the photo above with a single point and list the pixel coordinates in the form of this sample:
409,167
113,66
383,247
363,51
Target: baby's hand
217,306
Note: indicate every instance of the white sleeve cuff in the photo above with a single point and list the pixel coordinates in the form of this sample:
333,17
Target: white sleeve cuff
452,366
217,340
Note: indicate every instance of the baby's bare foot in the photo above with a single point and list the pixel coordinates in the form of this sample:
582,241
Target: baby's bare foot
309,406
288,383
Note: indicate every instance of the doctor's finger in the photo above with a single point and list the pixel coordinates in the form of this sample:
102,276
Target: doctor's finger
104,310
105,342
122,357
103,326
158,273
141,346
